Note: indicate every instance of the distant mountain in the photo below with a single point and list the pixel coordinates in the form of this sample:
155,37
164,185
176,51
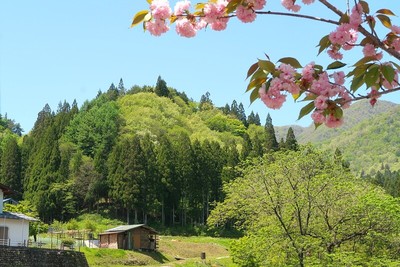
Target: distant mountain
368,139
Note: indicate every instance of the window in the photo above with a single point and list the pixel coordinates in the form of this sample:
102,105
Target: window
3,235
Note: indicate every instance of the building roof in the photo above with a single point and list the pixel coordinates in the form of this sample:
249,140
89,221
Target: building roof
6,190
124,228
10,201
16,216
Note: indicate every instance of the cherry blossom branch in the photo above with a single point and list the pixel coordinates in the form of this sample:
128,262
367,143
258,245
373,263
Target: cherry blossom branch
366,33
375,96
298,16
331,7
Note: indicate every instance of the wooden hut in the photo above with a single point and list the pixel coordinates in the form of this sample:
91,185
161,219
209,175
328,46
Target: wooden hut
136,236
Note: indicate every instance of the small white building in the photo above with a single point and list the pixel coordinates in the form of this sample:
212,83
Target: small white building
14,227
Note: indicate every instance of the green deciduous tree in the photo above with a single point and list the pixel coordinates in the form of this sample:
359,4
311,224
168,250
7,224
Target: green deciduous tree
299,208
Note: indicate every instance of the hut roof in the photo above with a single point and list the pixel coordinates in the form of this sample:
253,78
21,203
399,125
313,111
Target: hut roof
124,228
6,190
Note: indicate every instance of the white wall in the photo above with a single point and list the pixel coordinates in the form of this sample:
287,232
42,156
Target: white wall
1,201
18,231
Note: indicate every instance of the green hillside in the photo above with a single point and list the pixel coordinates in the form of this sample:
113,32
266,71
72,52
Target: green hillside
368,138
149,113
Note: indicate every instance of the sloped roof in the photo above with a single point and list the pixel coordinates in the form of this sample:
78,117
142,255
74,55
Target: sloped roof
124,228
6,190
17,216
10,200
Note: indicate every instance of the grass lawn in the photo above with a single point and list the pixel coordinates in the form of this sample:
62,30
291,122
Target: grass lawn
173,251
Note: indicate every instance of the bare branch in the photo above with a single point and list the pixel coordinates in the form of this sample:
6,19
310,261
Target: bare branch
297,16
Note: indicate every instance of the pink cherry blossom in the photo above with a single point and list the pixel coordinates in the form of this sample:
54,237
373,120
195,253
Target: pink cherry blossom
257,4
370,51
343,34
318,117
308,72
156,27
220,24
321,102
334,53
396,44
160,9
213,11
185,28
245,14
346,99
356,16
181,7
273,98
321,85
373,95
333,122
308,2
395,29
338,77
289,5
201,24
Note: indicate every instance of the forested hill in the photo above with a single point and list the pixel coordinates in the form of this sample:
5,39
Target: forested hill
151,154
148,154
368,139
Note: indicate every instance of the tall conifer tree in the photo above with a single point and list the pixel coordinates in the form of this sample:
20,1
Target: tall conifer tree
291,142
271,144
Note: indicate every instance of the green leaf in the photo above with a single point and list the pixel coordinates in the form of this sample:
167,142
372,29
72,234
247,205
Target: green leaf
357,82
358,71
252,69
254,95
316,125
388,72
385,11
306,109
255,83
335,65
139,17
232,5
363,61
200,6
324,43
396,65
366,40
344,19
258,74
385,20
365,6
291,61
266,65
372,76
338,112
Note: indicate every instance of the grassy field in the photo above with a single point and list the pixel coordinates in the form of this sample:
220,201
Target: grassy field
173,251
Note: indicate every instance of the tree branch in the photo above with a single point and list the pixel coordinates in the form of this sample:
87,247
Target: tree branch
297,16
368,96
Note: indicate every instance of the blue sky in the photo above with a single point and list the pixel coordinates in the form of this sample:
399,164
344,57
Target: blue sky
51,51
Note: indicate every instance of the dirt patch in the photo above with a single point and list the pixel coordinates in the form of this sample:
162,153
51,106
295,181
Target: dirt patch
183,249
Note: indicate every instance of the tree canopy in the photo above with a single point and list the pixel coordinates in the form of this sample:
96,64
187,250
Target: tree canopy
300,208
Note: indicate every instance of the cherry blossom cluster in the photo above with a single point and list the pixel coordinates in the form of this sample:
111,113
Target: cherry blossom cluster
327,91
187,24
